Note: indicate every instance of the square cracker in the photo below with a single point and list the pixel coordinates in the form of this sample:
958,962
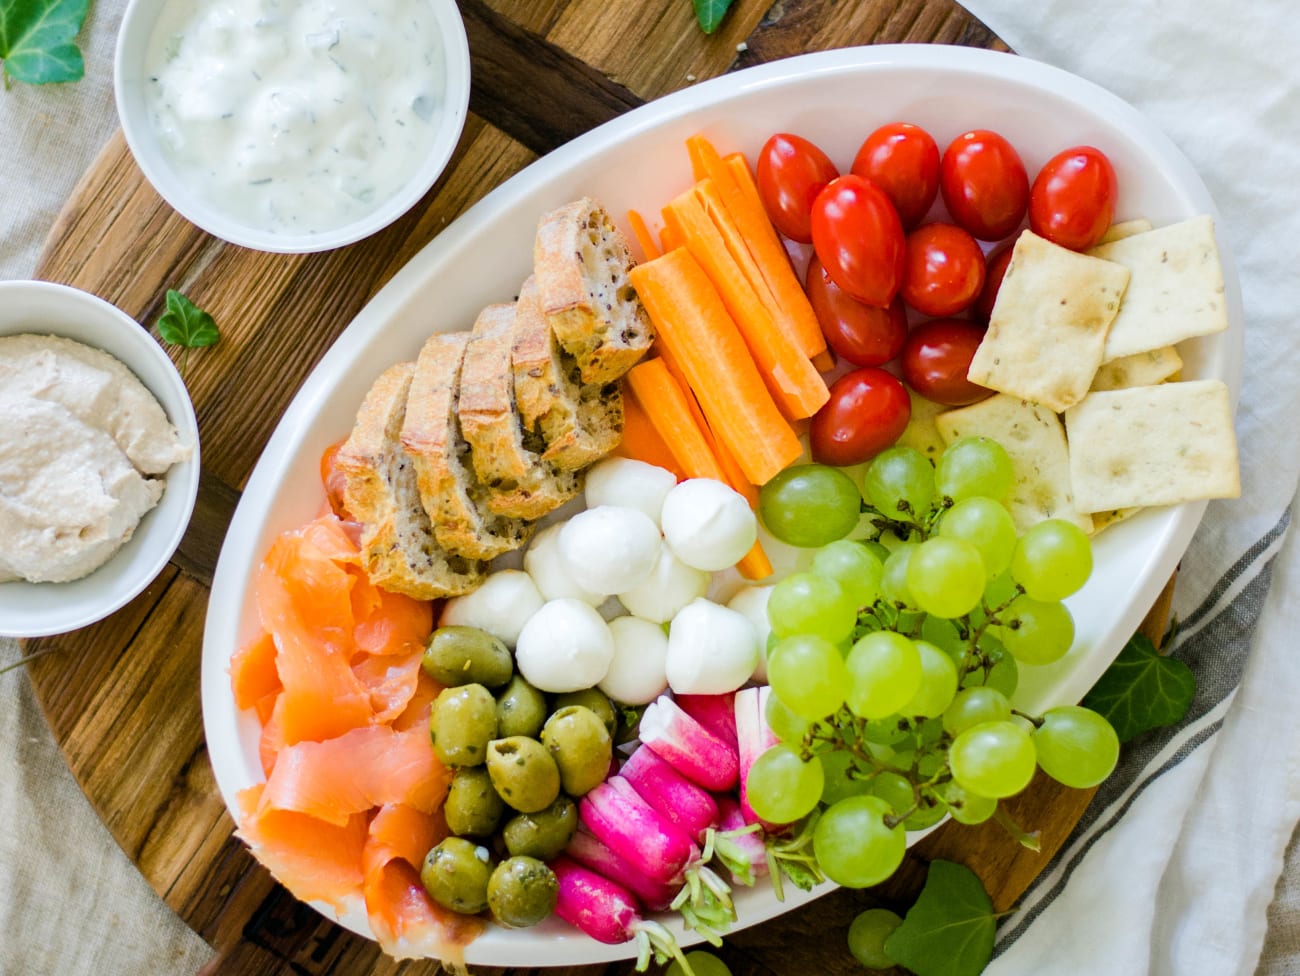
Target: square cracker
1176,291
1125,228
1034,438
1153,445
1139,369
1048,327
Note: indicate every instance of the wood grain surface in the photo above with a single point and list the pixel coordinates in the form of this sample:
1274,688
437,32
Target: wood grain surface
122,697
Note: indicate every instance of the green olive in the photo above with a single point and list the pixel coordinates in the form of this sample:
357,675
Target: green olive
523,773
592,698
581,747
522,892
472,807
458,656
521,709
543,834
456,874
463,721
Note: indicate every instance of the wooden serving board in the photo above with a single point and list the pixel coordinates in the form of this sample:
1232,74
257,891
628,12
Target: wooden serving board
122,697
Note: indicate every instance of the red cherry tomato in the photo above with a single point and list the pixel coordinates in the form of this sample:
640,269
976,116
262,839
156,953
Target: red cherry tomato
1073,197
936,358
903,160
868,411
791,172
995,270
865,335
943,271
859,239
984,184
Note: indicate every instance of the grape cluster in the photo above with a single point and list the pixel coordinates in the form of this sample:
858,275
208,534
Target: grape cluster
893,659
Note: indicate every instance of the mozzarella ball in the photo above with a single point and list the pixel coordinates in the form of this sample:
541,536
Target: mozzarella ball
751,602
543,563
669,587
711,650
707,524
565,646
637,674
629,483
609,549
504,602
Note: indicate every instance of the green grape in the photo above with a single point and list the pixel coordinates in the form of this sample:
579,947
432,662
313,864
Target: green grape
928,813
946,577
1052,560
789,726
974,466
1034,632
884,671
805,603
810,505
938,682
838,783
1076,746
1003,676
893,581
987,526
894,789
886,732
781,787
967,807
943,635
853,845
809,675
880,551
972,706
993,759
702,964
899,483
867,935
854,567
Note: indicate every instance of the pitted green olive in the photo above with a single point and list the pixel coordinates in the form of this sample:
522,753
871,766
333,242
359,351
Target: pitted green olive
580,744
523,772
592,698
456,874
543,834
521,709
462,722
522,891
458,656
472,807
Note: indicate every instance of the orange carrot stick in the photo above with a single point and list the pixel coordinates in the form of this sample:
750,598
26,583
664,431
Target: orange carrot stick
694,325
643,236
665,403
641,440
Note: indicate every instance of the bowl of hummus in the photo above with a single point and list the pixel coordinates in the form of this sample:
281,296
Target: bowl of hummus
99,458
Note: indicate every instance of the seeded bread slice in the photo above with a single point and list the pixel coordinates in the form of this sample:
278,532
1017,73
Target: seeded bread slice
506,457
580,422
581,261
397,541
449,490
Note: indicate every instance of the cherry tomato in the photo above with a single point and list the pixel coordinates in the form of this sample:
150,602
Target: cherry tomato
903,160
936,358
865,335
859,239
1073,197
984,184
868,411
943,271
995,270
791,172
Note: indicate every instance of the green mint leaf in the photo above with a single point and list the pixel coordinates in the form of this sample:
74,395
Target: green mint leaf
37,40
709,13
949,931
185,324
1142,690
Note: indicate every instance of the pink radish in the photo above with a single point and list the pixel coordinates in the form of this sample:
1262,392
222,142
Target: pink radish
754,737
690,748
589,851
638,833
717,713
740,846
690,807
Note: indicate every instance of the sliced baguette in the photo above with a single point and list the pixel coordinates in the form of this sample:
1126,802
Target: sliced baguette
506,458
580,422
398,545
581,261
431,434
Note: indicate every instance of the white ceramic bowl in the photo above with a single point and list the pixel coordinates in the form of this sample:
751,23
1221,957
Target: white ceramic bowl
39,609
130,80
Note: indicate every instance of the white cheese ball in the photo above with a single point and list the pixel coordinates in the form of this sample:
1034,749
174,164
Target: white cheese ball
629,483
669,587
637,675
543,563
504,602
751,602
565,646
707,524
610,549
711,650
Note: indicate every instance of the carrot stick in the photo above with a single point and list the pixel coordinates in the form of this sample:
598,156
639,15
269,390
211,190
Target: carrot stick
670,240
698,149
694,325
641,440
643,236
795,384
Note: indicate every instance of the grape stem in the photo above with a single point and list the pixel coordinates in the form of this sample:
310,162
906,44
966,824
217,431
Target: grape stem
1034,720
1024,838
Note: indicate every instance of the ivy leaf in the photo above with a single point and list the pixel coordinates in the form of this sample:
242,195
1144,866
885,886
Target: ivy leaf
709,13
949,931
37,40
186,325
1142,690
